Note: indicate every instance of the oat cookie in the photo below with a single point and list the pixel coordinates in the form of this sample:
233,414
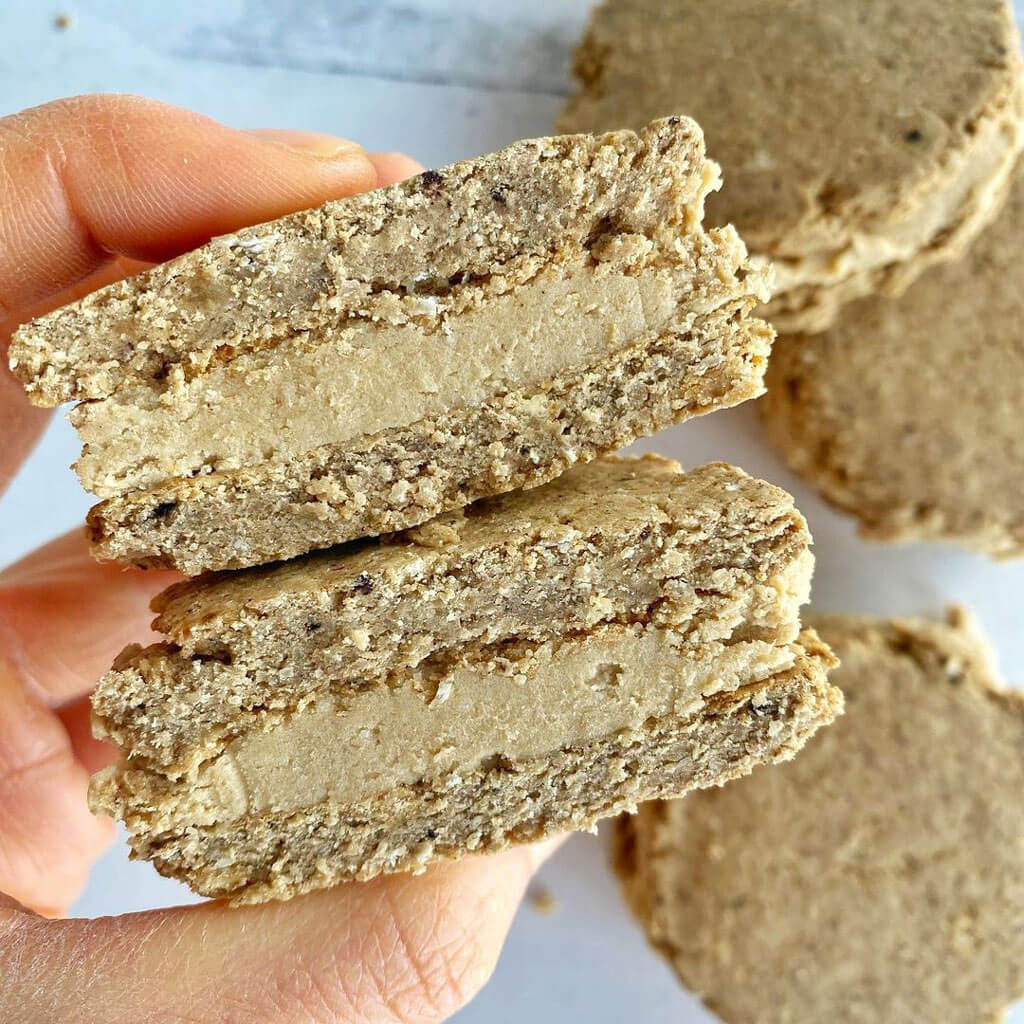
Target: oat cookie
541,661
361,367
880,876
860,141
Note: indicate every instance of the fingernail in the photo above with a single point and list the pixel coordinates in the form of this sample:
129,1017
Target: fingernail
315,144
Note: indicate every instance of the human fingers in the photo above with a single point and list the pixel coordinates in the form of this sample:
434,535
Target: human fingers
48,838
392,167
398,948
63,616
91,178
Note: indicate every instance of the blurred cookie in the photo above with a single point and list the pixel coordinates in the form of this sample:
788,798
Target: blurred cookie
907,413
860,141
880,875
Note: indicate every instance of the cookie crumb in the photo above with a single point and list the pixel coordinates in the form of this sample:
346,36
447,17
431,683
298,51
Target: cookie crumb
542,900
62,22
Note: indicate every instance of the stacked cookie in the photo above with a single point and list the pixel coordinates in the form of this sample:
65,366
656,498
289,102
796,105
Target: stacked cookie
499,671
519,669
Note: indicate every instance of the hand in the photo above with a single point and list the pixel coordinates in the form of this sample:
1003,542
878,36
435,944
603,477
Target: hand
91,189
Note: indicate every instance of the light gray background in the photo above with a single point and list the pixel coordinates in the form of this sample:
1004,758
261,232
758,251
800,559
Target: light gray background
440,79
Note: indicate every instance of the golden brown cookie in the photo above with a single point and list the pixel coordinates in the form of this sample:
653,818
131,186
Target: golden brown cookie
907,413
539,662
880,875
860,141
361,367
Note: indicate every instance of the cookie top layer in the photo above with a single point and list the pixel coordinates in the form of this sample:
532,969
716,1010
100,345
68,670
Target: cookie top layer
388,257
907,412
819,112
880,876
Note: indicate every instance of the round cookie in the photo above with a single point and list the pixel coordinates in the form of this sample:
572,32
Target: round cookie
879,876
860,141
907,412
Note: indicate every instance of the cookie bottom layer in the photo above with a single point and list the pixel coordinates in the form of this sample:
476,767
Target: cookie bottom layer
401,477
488,808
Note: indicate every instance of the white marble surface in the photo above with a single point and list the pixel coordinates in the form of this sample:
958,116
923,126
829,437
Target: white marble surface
450,79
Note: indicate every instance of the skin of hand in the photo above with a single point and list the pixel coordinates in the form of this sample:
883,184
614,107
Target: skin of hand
92,189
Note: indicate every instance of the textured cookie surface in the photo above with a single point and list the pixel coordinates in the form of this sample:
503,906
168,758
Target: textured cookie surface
907,413
359,368
860,141
530,666
880,876
267,822
618,540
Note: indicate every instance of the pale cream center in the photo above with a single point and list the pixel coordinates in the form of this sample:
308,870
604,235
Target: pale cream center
561,694
369,377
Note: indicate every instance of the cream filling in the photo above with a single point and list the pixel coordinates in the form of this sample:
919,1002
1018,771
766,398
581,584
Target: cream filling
350,749
275,404
971,190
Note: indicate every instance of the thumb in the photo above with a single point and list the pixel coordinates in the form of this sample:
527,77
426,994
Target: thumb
95,176
390,167
398,948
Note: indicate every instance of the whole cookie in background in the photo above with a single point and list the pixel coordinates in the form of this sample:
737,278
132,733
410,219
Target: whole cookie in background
860,141
877,877
907,412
